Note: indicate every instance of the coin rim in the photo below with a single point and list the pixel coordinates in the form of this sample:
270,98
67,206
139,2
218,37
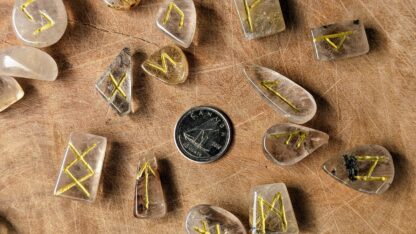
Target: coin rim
228,140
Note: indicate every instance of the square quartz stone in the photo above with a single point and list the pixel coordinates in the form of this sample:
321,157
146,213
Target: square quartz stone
80,172
260,18
340,40
271,210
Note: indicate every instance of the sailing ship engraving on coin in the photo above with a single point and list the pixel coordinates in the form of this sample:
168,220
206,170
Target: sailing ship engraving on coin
203,134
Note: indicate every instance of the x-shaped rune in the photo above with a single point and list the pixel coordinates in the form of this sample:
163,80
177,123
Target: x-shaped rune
117,88
78,182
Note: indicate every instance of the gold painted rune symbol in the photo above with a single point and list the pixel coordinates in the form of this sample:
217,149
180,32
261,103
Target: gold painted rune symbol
205,229
300,137
50,22
248,9
173,6
78,182
117,86
329,39
145,169
270,84
164,58
374,162
265,209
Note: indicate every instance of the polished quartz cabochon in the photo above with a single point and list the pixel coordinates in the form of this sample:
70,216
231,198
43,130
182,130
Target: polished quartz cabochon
287,144
39,23
115,84
340,40
149,199
337,168
260,18
10,92
122,4
27,62
169,65
210,219
295,103
80,173
177,18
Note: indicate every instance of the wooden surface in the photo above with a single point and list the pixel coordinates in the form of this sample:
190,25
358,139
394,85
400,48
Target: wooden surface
368,99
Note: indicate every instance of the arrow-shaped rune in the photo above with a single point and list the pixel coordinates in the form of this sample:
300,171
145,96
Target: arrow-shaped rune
50,22
145,170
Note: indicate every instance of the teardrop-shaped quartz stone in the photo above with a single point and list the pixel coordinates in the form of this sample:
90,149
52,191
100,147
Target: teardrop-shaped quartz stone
168,65
10,92
284,95
122,4
177,18
116,83
212,219
39,23
27,62
287,144
367,168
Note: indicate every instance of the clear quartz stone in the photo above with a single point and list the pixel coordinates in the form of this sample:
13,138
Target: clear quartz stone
10,92
115,84
260,18
212,219
168,65
122,4
149,200
271,210
285,96
287,144
340,40
80,172
27,62
39,23
177,18
367,168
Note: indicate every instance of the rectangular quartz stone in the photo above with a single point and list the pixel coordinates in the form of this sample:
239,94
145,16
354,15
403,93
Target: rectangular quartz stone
80,172
340,40
271,210
260,18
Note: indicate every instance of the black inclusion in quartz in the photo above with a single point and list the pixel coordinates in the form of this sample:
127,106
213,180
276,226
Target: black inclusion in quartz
351,165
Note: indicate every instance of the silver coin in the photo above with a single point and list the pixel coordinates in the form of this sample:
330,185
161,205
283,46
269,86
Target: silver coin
203,134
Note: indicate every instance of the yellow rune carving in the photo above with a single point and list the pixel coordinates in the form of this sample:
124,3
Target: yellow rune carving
78,182
117,88
248,12
269,84
327,38
374,160
205,229
145,170
164,67
173,6
50,22
301,136
268,208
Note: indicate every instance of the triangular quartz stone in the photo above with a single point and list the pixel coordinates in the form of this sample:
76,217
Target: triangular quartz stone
10,92
122,4
27,62
177,18
367,168
212,219
149,199
168,65
287,144
39,23
284,95
116,83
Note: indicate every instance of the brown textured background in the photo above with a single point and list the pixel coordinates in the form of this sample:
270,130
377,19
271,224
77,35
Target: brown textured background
368,99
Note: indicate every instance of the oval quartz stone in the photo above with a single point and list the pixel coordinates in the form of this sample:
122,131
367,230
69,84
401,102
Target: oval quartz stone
122,4
367,168
212,219
168,65
287,144
39,23
10,92
27,62
285,96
